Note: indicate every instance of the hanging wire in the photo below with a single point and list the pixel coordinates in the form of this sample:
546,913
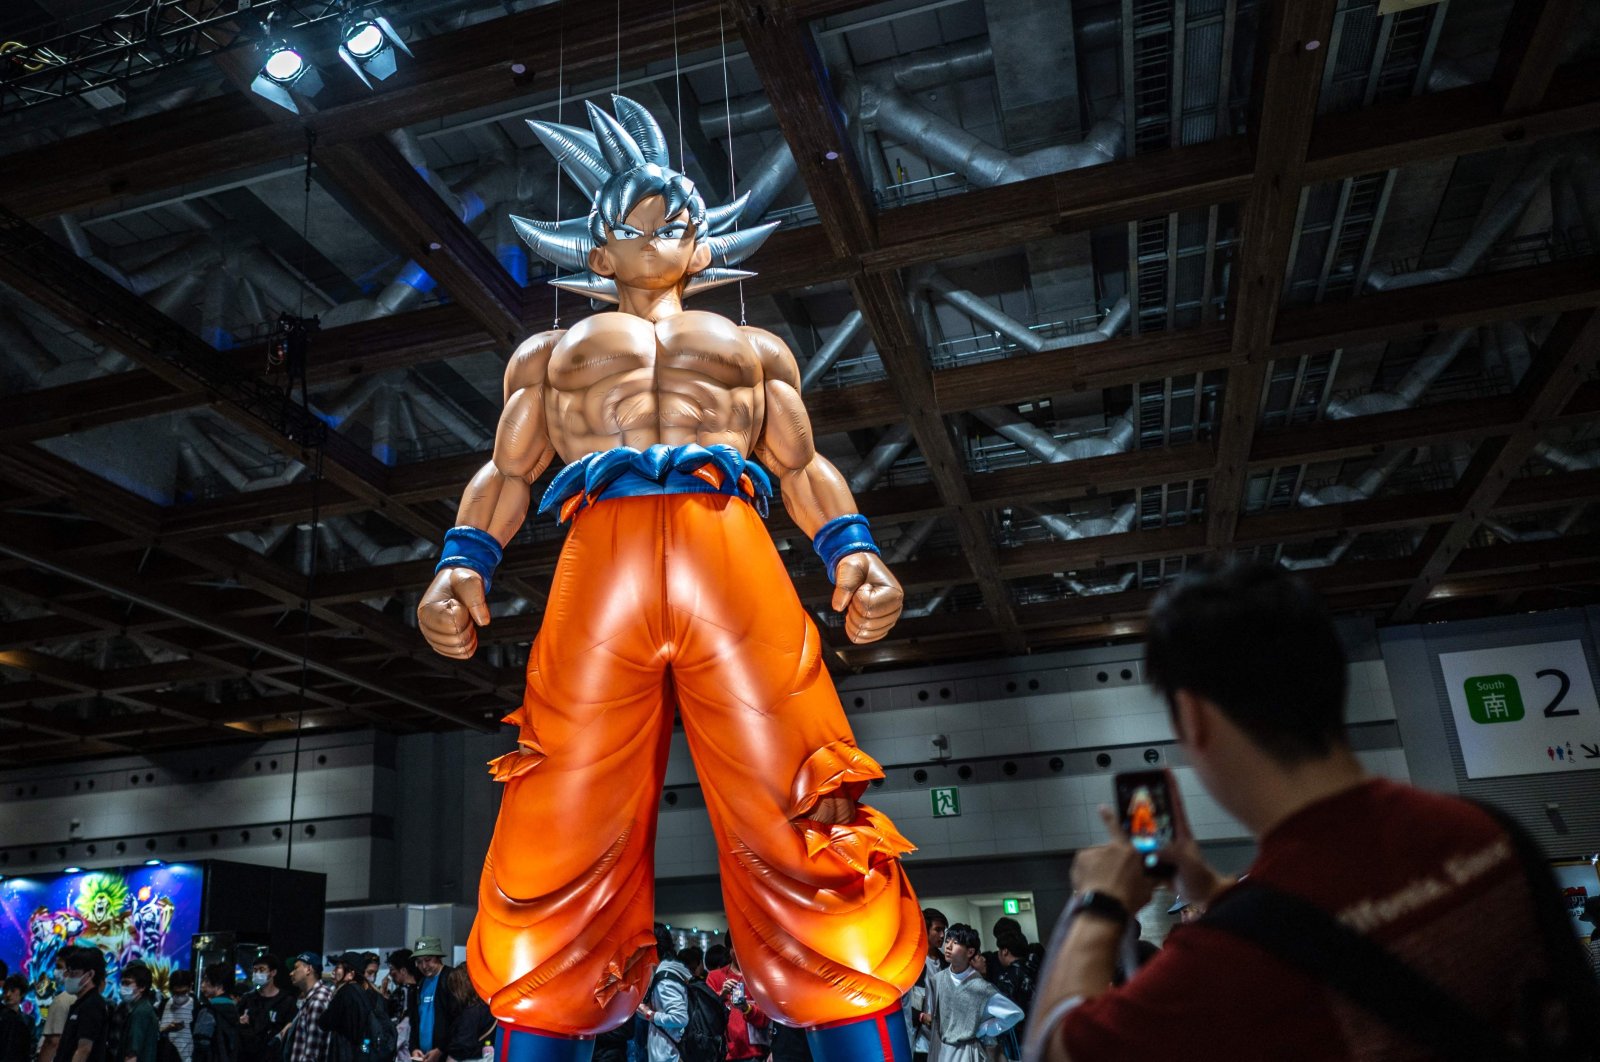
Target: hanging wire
561,99
619,47
677,82
305,650
733,178
305,221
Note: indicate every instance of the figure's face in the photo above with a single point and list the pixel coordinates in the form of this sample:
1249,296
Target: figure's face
649,251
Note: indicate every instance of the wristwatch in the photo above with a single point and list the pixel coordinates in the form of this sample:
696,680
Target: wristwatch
1101,905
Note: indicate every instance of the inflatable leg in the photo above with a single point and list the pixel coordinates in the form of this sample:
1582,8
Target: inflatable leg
879,1038
516,1044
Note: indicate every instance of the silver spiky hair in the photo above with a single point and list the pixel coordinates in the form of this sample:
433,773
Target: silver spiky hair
619,162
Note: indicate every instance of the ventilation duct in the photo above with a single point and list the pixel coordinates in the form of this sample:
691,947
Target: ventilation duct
1562,528
873,467
829,352
928,607
262,542
981,310
1113,586
1070,528
199,452
1494,224
1046,447
23,347
1427,368
946,144
911,539
447,418
343,529
1367,485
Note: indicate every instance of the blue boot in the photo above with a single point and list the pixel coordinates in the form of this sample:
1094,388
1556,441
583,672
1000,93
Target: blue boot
515,1044
879,1038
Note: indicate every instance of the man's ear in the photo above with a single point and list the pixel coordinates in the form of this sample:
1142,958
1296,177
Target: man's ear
1193,717
700,259
600,262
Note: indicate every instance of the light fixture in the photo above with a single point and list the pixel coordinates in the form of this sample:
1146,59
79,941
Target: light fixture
73,870
368,44
285,73
152,862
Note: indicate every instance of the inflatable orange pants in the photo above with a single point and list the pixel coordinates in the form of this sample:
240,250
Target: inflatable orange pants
681,599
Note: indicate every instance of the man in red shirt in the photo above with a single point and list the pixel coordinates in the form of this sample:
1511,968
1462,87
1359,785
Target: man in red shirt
1254,675
746,1021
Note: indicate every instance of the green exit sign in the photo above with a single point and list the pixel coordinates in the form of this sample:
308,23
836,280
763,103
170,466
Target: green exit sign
1011,905
946,802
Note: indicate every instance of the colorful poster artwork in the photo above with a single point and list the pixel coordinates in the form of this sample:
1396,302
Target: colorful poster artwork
146,914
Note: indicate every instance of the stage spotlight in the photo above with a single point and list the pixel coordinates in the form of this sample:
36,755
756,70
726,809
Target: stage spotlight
285,73
368,47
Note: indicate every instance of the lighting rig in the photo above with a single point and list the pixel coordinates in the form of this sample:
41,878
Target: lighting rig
95,62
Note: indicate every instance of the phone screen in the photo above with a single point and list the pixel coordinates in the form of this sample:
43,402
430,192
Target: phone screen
1144,799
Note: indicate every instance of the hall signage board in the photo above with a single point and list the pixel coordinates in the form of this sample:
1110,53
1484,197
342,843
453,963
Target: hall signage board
1524,709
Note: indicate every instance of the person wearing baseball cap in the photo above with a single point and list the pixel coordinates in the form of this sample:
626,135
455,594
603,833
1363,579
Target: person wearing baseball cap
433,1011
307,1039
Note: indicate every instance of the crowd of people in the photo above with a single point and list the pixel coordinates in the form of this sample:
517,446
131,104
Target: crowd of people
1377,921
306,1010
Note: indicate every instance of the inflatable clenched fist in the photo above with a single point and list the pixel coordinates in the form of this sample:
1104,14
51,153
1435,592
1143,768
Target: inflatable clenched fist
452,610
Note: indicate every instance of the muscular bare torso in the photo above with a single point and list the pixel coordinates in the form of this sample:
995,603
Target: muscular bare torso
619,380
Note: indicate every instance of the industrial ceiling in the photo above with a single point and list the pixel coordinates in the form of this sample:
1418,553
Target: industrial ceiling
1084,293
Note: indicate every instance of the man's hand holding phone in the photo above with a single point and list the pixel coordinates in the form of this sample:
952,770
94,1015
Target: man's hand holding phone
1115,868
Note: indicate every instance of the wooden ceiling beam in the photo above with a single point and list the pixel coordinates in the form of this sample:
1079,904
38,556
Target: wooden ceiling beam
1537,33
781,48
1289,84
1566,359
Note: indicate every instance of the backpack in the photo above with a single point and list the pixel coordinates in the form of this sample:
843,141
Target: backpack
224,1046
706,1037
382,1041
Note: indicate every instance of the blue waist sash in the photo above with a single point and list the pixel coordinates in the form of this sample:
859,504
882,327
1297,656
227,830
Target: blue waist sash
626,473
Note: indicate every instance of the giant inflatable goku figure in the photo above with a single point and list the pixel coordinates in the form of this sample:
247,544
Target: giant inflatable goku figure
677,425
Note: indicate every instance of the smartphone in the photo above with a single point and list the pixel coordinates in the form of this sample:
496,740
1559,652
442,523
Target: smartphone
1145,803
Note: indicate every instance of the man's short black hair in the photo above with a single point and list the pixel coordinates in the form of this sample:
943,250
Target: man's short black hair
181,980
692,956
930,915
16,983
219,975
139,974
964,935
666,946
716,956
89,961
1013,941
1006,923
1260,644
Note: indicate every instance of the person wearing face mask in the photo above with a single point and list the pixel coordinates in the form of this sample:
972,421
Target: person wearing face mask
216,1021
55,1019
264,1012
177,1020
88,1029
139,1025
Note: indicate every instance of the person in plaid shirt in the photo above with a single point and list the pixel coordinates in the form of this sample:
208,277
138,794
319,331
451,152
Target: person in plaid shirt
309,1041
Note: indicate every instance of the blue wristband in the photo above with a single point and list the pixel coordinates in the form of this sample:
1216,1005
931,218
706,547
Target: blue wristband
471,548
840,537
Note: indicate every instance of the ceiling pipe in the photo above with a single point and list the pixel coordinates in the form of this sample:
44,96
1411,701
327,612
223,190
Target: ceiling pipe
772,172
911,539
1562,528
1366,486
1567,460
1501,217
986,313
1423,372
370,549
262,542
829,352
447,418
1070,528
1041,444
876,464
930,606
946,144
384,415
1113,586
201,450
23,347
